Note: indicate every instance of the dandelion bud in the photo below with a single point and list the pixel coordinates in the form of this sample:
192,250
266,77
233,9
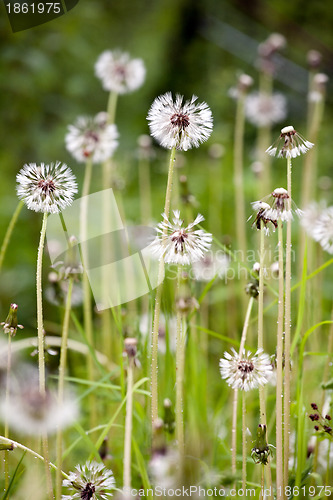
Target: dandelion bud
244,83
130,345
10,325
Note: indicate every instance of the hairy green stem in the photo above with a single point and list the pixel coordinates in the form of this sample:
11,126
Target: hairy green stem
16,444
128,425
287,328
158,297
235,400
279,374
61,381
40,327
9,232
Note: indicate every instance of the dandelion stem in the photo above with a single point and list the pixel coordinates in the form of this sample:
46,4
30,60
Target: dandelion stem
9,362
279,374
128,425
112,106
154,348
9,231
87,313
287,328
235,401
61,381
238,176
40,328
16,444
49,485
244,440
180,365
261,317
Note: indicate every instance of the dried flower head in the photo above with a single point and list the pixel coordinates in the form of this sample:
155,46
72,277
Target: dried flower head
180,245
174,124
91,481
279,207
119,73
290,144
261,219
11,325
317,221
46,188
263,110
247,371
92,138
31,413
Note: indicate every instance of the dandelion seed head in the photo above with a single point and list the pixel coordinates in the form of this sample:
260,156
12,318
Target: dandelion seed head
91,481
119,73
211,265
46,188
290,144
176,244
31,413
263,110
177,124
317,220
92,138
246,372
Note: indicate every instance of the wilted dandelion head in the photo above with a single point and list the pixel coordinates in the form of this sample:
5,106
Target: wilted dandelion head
263,110
118,72
91,481
183,126
279,206
92,138
317,220
180,245
247,371
261,219
290,144
32,413
46,188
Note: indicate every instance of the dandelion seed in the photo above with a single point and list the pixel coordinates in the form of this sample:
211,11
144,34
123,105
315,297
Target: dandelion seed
246,372
91,481
174,124
119,73
180,245
46,188
290,144
92,138
32,413
263,110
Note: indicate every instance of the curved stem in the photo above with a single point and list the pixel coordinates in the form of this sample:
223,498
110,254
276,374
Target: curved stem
61,381
9,231
40,328
16,444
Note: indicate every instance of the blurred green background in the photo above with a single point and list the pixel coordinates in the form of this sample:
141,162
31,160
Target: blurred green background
191,47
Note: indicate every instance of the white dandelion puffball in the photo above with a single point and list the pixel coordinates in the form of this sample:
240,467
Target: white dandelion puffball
92,139
263,110
46,188
183,126
290,144
119,73
247,371
91,481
